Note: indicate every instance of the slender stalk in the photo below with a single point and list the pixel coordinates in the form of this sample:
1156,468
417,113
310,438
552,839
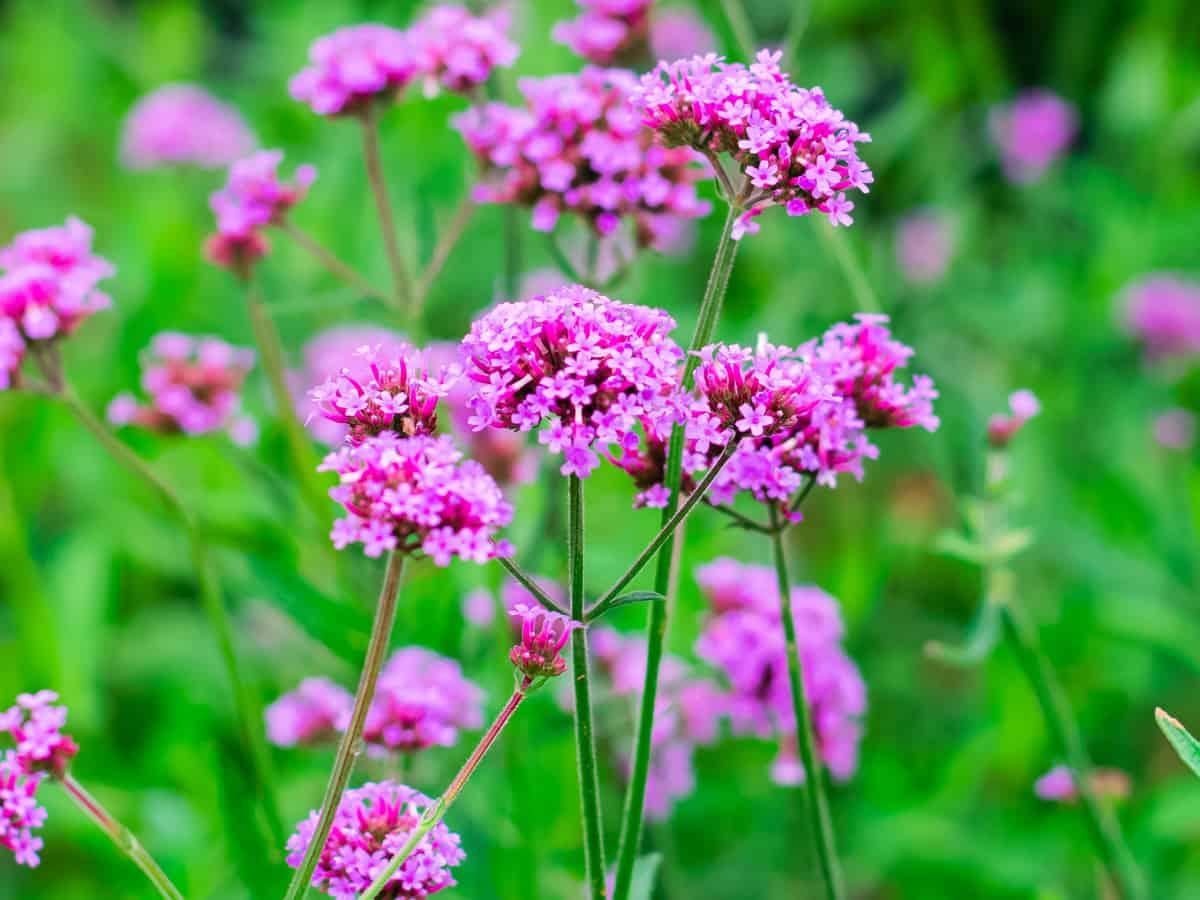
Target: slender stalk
527,582
835,241
121,836
816,805
512,253
563,261
441,252
656,619
437,812
331,262
387,223
585,739
247,706
350,747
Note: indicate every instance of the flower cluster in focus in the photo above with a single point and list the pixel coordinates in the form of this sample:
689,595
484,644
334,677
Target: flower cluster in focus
543,635
1032,132
183,124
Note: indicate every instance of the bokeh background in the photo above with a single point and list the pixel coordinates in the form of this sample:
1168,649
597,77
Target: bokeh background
97,598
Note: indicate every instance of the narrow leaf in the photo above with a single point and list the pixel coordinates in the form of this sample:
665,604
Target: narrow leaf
645,873
1185,745
636,597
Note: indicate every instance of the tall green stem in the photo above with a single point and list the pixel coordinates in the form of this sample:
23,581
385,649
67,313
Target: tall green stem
585,740
816,805
121,836
247,706
387,223
351,744
331,262
656,620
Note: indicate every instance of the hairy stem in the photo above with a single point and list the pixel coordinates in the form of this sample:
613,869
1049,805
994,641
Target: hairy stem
331,262
526,581
387,223
350,746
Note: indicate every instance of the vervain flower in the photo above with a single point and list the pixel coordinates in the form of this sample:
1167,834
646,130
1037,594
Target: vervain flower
679,32
1163,311
311,714
1002,429
353,66
1032,132
457,51
543,636
606,30
1058,784
924,245
183,124
422,700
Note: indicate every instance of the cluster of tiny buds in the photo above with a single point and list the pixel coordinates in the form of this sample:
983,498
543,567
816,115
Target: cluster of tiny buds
544,633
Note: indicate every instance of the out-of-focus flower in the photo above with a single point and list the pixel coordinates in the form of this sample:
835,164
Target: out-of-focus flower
1175,429
422,700
794,149
606,30
479,608
543,636
371,825
311,714
576,147
1002,429
353,66
745,642
1163,312
457,51
1032,132
592,369
417,493
192,384
924,246
183,124
679,33
1058,785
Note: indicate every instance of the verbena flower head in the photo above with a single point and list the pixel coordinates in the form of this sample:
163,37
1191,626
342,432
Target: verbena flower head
422,700
924,246
791,146
183,124
193,385
371,825
1163,311
1175,429
679,32
591,369
479,608
393,391
311,714
353,67
1002,429
746,643
576,147
457,51
48,286
417,494
543,636
1058,785
1032,132
606,30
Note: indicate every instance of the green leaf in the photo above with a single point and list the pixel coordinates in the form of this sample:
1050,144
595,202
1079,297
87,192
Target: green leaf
636,597
645,872
1185,745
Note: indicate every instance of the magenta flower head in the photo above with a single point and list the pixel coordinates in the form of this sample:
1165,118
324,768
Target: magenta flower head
371,825
1163,312
417,494
860,361
606,30
924,246
193,385
311,714
354,67
1002,429
393,392
183,124
590,368
543,635
679,32
1032,132
576,147
792,148
423,700
457,51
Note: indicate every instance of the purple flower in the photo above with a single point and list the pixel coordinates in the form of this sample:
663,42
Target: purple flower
479,608
417,493
575,146
1175,429
1032,132
591,369
679,32
311,714
606,30
193,385
183,124
353,66
422,701
1058,785
543,636
758,117
371,825
924,245
458,51
1002,429
1163,311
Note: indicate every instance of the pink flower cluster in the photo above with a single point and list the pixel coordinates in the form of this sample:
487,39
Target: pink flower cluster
311,714
576,147
183,124
924,246
371,825
417,493
592,368
793,148
1163,311
193,385
422,700
1002,429
1032,132
1058,785
393,391
543,636
34,724
743,638
254,196
606,30
356,65
679,32
48,279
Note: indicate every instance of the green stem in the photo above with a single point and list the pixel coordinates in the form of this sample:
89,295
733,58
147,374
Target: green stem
121,836
512,253
437,812
526,581
350,747
331,262
387,223
656,620
247,706
836,243
816,805
585,740
445,245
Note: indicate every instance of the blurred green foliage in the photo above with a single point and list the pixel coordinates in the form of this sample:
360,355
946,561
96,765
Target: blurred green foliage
99,601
